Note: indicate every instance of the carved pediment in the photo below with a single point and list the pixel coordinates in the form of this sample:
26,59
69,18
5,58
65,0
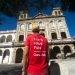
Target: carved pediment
40,15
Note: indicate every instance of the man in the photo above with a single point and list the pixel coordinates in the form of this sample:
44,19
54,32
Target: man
35,54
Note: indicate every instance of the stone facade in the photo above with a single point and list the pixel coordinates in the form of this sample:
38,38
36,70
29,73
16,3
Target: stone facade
53,26
6,50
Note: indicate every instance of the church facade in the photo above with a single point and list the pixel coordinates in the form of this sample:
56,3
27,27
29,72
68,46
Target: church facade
54,27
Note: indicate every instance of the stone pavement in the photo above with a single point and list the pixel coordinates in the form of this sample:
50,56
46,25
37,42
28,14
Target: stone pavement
10,69
61,67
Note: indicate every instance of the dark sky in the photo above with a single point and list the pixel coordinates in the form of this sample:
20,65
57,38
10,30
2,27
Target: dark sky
11,23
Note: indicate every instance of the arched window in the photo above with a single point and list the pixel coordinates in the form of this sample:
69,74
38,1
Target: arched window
22,16
54,52
59,21
0,52
19,55
56,13
22,27
29,26
41,25
51,21
21,38
6,55
59,12
54,35
66,50
2,40
63,35
9,38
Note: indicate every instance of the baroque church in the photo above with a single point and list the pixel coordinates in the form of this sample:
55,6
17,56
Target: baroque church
54,27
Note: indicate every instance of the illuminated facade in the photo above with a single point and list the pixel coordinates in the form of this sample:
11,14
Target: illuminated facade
53,26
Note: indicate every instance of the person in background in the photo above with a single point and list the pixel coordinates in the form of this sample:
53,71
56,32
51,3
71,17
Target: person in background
41,33
35,54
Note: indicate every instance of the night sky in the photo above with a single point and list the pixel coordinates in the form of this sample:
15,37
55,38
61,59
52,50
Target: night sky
10,23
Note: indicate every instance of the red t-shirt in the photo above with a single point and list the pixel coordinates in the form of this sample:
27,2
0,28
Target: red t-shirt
37,54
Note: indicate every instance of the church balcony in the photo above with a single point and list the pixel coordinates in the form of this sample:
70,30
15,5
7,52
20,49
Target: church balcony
51,42
18,44
3,45
61,41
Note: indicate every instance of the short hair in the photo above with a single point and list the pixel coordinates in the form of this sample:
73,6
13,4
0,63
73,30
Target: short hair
36,29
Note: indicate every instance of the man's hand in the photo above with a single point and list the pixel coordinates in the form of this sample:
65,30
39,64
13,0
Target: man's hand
24,73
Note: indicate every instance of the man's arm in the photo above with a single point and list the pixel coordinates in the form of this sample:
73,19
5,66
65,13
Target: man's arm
25,60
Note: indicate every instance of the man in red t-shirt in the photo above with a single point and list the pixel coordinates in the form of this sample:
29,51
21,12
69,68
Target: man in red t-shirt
35,54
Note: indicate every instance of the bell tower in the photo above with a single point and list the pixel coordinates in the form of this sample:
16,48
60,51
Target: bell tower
57,12
23,15
21,26
58,23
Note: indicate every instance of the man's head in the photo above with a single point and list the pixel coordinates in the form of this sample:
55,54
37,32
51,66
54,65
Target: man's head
35,29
